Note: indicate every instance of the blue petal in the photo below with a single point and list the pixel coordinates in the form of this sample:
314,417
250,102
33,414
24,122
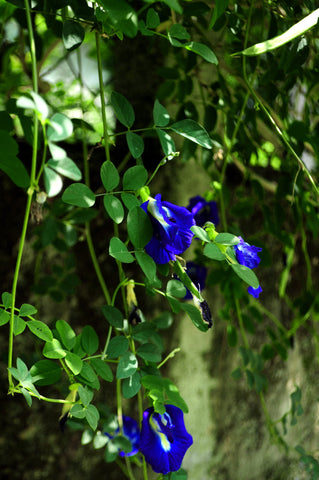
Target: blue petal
246,254
171,229
203,211
132,432
164,439
254,291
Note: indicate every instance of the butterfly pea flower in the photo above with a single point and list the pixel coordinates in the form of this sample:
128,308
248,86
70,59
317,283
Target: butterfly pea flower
254,291
171,229
247,255
203,211
131,431
164,439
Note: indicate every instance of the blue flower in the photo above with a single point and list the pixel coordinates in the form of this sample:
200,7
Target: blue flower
171,229
254,291
203,211
131,431
164,439
197,274
246,254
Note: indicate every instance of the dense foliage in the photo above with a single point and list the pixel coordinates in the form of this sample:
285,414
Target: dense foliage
230,87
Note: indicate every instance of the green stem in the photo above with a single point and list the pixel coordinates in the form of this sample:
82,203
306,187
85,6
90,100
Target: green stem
100,73
107,342
96,264
29,193
258,100
87,224
241,324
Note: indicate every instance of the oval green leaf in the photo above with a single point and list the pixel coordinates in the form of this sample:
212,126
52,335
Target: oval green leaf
79,195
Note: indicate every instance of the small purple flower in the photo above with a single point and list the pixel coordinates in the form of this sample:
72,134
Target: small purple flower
164,439
203,211
197,274
246,254
132,432
171,229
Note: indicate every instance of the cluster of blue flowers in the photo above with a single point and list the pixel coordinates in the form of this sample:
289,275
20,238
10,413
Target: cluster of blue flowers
163,439
172,235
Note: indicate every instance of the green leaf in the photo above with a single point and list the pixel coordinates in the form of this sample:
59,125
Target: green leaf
18,325
114,208
72,34
85,394
92,416
6,298
203,50
79,195
26,395
4,317
118,250
219,9
77,411
237,373
226,239
113,315
174,5
89,377
173,395
45,372
131,385
89,340
246,274
148,266
27,309
57,152
195,316
139,227
193,131
102,369
74,362
135,178
152,18
54,350
160,115
166,141
67,334
296,30
129,200
127,365
9,163
109,176
40,329
178,31
212,251
200,233
135,144
175,288
122,16
149,352
52,182
117,347
40,105
123,109
60,128
66,167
